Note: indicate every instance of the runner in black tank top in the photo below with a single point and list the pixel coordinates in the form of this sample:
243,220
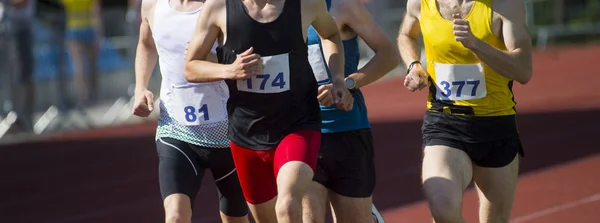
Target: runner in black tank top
259,119
274,115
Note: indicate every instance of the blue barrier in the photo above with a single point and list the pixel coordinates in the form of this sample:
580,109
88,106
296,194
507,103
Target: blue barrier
46,53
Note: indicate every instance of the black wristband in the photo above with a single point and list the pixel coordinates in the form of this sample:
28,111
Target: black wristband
411,65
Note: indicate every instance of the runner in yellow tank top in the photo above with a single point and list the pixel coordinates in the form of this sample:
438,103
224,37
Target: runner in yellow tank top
475,49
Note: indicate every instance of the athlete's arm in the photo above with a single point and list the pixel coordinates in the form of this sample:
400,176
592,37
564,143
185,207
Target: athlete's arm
516,62
331,41
409,48
198,65
145,62
386,56
146,54
409,33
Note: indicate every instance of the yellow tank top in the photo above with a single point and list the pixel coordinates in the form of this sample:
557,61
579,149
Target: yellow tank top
459,82
79,13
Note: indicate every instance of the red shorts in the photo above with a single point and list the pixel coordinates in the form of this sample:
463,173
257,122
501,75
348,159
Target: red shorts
258,169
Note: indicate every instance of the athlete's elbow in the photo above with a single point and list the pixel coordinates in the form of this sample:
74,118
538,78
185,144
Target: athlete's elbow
188,72
525,77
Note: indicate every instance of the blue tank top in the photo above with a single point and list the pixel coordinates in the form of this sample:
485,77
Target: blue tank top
334,120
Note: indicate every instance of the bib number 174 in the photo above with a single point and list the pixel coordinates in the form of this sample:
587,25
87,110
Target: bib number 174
278,81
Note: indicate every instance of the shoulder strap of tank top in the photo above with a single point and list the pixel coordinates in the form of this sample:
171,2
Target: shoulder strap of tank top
292,9
482,10
427,6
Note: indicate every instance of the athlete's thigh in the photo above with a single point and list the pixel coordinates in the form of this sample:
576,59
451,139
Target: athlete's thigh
295,161
496,185
351,209
255,173
231,197
315,203
301,146
179,171
446,171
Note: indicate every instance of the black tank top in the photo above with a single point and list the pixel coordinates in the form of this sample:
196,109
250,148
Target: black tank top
264,109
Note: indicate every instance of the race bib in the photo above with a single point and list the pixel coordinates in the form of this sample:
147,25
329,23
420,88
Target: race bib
274,79
459,81
198,104
317,62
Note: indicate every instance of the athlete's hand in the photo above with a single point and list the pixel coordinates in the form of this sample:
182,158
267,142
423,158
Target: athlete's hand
341,96
143,103
247,65
325,97
462,32
416,78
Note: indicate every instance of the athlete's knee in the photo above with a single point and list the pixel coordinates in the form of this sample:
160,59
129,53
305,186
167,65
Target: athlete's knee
293,179
445,201
288,207
178,209
177,218
496,214
445,208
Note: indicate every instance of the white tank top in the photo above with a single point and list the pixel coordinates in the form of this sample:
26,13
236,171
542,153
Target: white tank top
195,113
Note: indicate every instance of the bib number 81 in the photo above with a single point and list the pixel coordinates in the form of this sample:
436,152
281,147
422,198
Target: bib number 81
190,113
447,91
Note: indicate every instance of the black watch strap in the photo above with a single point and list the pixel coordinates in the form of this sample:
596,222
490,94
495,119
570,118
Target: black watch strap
411,65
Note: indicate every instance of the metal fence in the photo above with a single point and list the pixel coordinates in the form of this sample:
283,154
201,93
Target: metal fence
53,77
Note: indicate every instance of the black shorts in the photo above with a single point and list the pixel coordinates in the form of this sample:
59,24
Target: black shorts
346,163
489,141
181,168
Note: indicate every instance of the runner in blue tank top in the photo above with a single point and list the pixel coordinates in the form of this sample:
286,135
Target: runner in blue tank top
345,168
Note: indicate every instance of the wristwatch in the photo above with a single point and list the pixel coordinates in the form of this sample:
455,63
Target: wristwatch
411,65
350,83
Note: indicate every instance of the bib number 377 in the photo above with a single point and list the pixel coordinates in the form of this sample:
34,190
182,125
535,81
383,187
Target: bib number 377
275,78
460,81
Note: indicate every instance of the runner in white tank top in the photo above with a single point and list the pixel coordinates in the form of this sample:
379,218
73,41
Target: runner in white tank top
192,126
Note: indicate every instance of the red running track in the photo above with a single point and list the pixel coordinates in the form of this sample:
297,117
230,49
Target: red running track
109,175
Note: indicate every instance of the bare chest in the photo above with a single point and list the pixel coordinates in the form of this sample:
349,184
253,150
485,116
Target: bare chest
447,8
266,13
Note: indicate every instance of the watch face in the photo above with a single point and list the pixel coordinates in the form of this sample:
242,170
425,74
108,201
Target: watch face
349,82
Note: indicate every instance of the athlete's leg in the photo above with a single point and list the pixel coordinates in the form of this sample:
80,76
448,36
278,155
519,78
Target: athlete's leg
316,200
496,181
180,178
231,199
315,203
351,209
446,173
295,163
77,56
91,51
255,173
349,157
496,189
